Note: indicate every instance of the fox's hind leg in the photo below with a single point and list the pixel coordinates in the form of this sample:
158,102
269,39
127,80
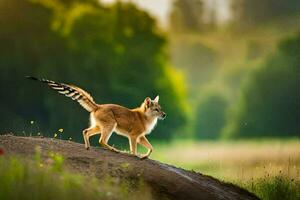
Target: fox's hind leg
87,133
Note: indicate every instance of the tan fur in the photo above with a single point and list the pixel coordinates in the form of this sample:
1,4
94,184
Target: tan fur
131,123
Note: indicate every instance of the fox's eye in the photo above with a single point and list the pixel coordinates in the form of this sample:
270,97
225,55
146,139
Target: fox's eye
156,110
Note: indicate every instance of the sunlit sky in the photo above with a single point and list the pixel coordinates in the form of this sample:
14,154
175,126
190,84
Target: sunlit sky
161,8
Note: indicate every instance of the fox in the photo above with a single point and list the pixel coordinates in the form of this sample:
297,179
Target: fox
105,119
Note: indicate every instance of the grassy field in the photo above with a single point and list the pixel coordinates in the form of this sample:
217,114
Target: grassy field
269,168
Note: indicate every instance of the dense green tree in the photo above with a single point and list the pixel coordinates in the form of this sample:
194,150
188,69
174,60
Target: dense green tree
114,52
270,100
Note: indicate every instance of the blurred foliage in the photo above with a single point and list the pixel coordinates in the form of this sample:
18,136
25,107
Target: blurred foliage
222,56
269,104
192,16
199,60
186,15
118,54
210,115
114,52
255,12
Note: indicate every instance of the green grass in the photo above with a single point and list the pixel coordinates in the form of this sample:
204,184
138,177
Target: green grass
36,180
268,168
274,187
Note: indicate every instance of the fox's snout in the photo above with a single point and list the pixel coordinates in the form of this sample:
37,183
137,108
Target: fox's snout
163,115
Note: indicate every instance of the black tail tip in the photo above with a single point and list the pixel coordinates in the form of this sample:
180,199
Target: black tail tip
32,78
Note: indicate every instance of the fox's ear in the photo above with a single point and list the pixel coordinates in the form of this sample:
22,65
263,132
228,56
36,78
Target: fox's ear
156,99
147,102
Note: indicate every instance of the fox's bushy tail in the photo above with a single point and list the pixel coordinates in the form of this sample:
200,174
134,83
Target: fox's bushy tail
76,93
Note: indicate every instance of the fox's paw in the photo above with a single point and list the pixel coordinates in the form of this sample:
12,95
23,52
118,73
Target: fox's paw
87,148
115,150
143,156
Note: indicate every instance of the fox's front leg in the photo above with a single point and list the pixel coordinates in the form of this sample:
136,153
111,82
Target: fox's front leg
144,142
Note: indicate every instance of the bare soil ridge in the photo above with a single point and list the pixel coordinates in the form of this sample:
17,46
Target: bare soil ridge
164,180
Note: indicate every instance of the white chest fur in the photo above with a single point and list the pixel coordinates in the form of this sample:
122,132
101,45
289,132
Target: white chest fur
150,126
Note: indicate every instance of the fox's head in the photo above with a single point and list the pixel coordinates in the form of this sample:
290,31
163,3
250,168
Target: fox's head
153,109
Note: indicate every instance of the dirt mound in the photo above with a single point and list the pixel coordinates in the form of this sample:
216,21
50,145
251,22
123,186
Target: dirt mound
165,180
